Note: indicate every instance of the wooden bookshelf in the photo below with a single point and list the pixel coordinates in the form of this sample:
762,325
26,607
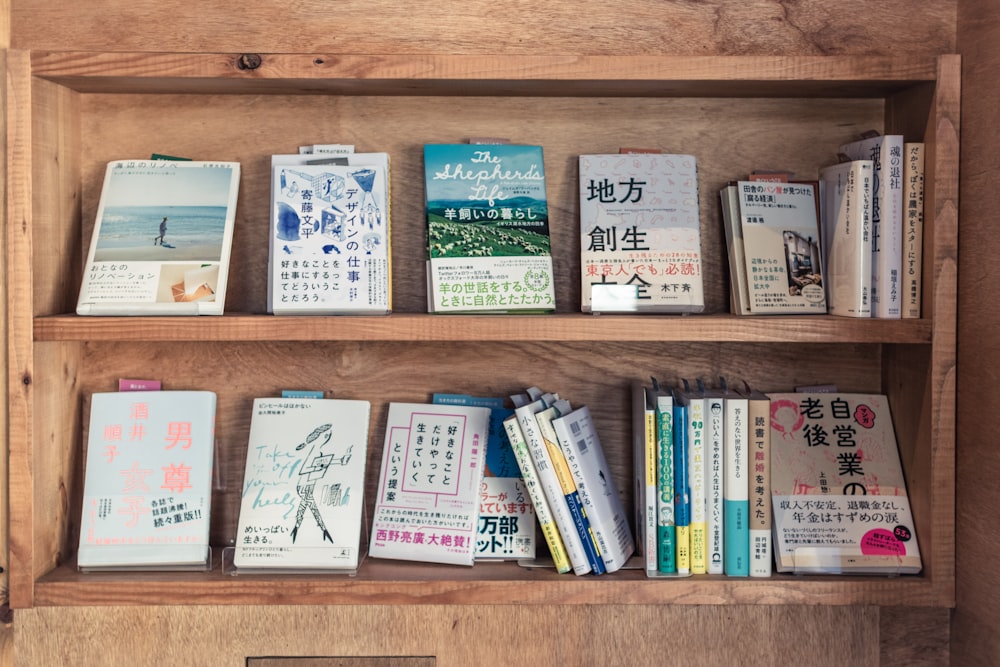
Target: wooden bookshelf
69,113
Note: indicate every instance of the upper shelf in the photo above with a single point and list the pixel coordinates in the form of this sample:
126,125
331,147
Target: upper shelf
421,327
644,76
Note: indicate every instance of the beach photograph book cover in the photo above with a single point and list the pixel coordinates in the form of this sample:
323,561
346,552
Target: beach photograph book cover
162,239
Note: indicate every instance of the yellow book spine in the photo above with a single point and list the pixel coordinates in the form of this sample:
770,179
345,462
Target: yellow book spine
683,549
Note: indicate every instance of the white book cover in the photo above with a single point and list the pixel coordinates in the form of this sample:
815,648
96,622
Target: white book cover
715,422
847,240
781,241
329,242
886,153
162,239
580,442
640,233
147,488
427,503
761,512
303,487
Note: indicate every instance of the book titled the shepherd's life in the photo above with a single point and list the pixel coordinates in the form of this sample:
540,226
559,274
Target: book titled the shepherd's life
782,247
837,485
148,481
329,251
640,234
162,239
427,503
487,229
303,489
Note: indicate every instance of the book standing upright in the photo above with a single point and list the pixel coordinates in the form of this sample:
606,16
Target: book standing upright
847,236
913,226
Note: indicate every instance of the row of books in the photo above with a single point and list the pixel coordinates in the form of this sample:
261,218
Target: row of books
741,482
164,229
847,244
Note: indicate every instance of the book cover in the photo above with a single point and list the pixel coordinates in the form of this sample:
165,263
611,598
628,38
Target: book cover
644,473
739,292
640,234
759,441
666,515
506,512
886,154
162,239
694,402
782,248
736,488
303,486
147,488
427,502
913,226
847,239
595,483
487,229
715,422
329,242
838,490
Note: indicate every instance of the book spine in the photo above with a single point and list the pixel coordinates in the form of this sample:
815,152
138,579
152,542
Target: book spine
699,491
887,233
715,436
542,512
550,486
666,528
759,414
649,481
736,504
682,492
913,227
581,521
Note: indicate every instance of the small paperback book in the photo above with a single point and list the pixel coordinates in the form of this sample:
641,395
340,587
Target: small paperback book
162,239
488,243
427,503
148,482
837,485
847,236
640,233
303,489
782,247
329,251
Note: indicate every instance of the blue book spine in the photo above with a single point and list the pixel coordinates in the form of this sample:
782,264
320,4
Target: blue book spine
736,539
682,490
666,530
587,536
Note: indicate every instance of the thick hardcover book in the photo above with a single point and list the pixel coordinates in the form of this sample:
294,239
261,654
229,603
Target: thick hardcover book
736,488
640,233
329,247
427,502
913,226
847,239
758,418
886,153
782,248
162,239
147,487
303,490
487,229
581,444
644,473
837,484
506,512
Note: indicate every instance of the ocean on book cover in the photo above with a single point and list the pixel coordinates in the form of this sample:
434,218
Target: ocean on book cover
148,480
303,486
640,233
162,239
837,485
329,251
427,502
487,229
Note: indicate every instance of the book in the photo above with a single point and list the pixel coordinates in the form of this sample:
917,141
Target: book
715,422
886,154
759,441
782,248
644,447
304,485
162,239
579,440
739,291
427,501
693,401
543,513
329,241
913,226
506,512
847,239
839,495
666,511
147,490
640,234
487,229
736,488
682,488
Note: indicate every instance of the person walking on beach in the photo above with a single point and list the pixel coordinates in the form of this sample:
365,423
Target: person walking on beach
163,231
